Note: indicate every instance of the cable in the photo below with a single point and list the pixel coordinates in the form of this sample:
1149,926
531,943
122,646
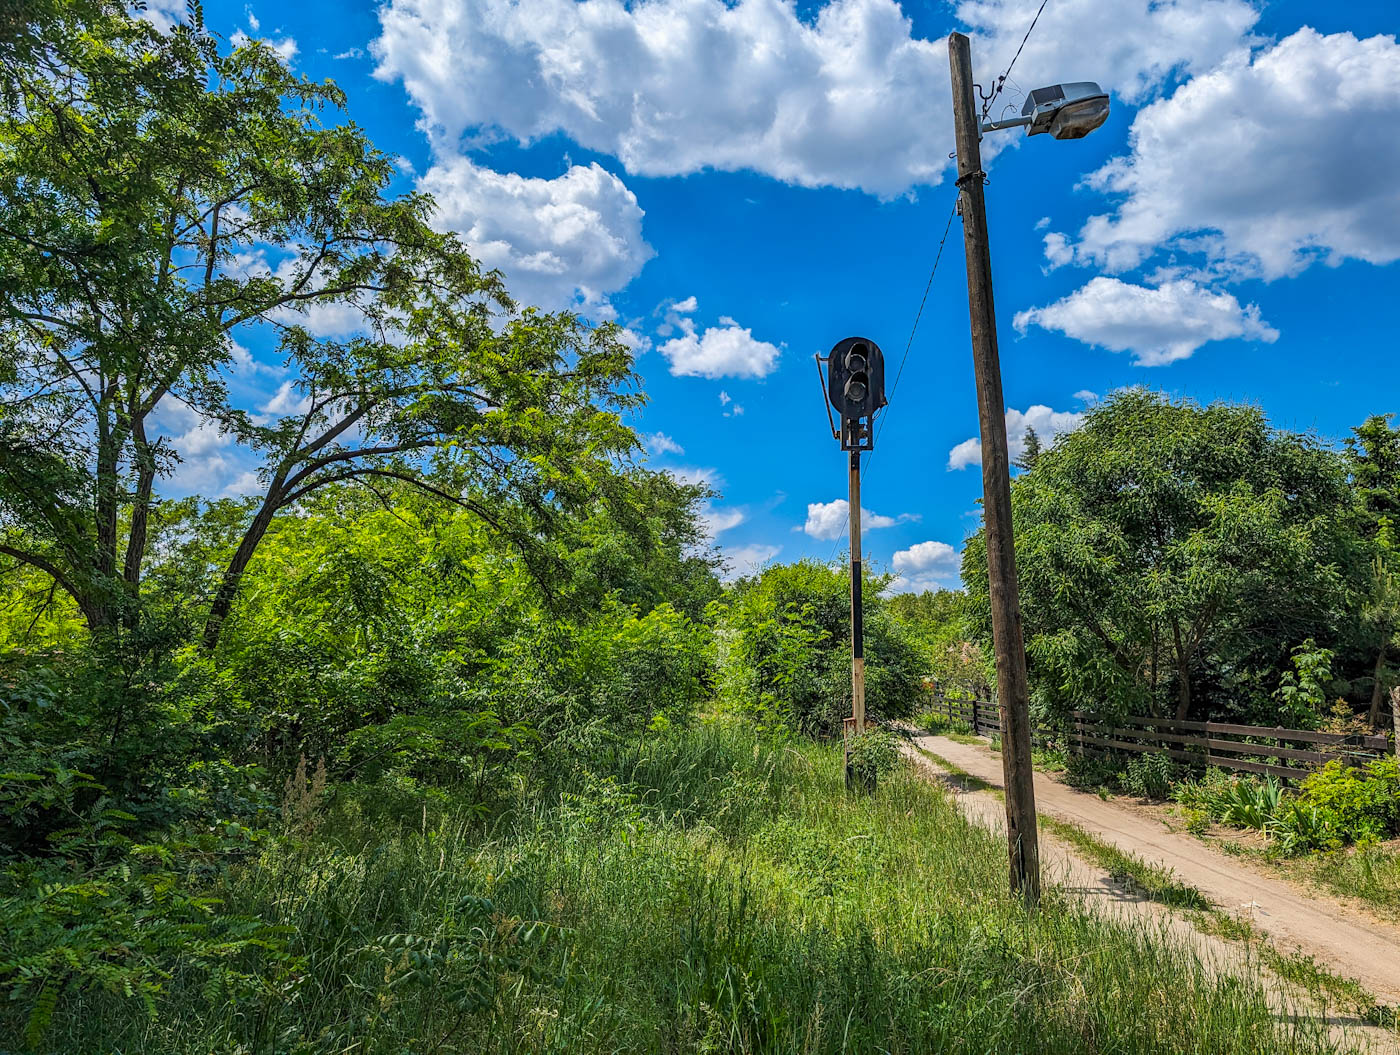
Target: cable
1001,81
987,102
870,455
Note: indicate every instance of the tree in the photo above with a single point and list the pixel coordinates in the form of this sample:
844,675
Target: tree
1373,456
1164,545
1031,451
161,198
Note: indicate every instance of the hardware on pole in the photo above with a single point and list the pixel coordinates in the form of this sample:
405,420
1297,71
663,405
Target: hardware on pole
1012,688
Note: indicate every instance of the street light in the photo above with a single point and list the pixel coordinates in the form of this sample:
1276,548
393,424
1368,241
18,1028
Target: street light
1066,111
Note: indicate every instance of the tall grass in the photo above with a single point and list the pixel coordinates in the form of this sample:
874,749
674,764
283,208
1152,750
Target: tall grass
708,892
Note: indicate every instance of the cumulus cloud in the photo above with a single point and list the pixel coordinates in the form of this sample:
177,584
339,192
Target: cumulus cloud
658,443
823,98
740,561
923,556
1158,325
1137,44
726,350
708,84
565,242
1273,160
1048,424
925,566
828,520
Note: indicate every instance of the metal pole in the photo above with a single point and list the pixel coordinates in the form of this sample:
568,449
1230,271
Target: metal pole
1012,687
857,612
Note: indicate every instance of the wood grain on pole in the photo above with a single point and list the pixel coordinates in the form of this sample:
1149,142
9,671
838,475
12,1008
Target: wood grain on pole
1012,688
857,611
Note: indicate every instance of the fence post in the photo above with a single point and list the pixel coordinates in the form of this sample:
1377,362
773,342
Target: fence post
975,730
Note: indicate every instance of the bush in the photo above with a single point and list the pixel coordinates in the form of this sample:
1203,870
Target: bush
784,657
873,754
1297,826
1148,776
1362,805
112,908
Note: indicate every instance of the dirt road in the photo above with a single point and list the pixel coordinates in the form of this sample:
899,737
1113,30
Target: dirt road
1340,939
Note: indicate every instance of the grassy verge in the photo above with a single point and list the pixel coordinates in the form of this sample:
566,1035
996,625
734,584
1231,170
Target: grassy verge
707,892
1370,873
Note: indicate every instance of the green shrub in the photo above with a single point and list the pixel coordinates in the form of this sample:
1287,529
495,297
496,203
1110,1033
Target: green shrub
1363,805
1211,793
873,754
1148,776
1297,826
784,657
111,908
1090,772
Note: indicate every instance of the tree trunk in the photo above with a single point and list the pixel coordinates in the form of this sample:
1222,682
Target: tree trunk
1183,675
233,574
140,512
1377,692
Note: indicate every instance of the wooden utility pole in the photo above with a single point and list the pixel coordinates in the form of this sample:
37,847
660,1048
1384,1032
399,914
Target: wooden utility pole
1012,688
857,611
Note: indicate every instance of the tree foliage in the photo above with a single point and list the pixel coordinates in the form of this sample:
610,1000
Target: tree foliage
1166,548
161,197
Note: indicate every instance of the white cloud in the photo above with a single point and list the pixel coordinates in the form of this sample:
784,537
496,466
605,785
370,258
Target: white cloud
350,53
689,474
1084,395
287,400
163,14
1058,251
253,22
565,242
828,520
285,49
685,307
816,97
1128,46
1047,423
1265,164
747,560
658,443
245,483
923,556
717,521
1158,325
707,84
726,350
928,565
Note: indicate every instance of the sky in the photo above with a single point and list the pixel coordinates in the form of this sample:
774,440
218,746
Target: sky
742,185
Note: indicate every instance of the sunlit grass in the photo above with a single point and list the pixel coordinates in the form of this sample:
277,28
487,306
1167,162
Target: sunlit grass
707,892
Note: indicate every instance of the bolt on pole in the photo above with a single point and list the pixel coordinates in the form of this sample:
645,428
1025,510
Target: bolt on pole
1013,691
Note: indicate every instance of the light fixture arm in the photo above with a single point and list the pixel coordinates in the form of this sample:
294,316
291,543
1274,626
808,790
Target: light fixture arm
1010,122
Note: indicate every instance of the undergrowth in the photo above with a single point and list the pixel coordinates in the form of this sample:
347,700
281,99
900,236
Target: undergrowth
709,891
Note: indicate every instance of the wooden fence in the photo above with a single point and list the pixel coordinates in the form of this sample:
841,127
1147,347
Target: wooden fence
1288,754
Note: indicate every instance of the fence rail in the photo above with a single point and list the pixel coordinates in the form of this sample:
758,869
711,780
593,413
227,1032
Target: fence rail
1288,754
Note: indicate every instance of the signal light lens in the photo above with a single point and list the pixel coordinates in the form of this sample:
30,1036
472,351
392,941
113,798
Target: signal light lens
855,390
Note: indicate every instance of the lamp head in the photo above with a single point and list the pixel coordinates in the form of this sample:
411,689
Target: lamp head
1066,111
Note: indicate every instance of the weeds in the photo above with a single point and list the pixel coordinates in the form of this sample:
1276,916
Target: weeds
709,892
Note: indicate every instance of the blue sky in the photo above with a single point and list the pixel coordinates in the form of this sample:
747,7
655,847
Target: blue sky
743,185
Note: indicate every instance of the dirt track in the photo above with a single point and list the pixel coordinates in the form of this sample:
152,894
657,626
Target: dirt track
1344,941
